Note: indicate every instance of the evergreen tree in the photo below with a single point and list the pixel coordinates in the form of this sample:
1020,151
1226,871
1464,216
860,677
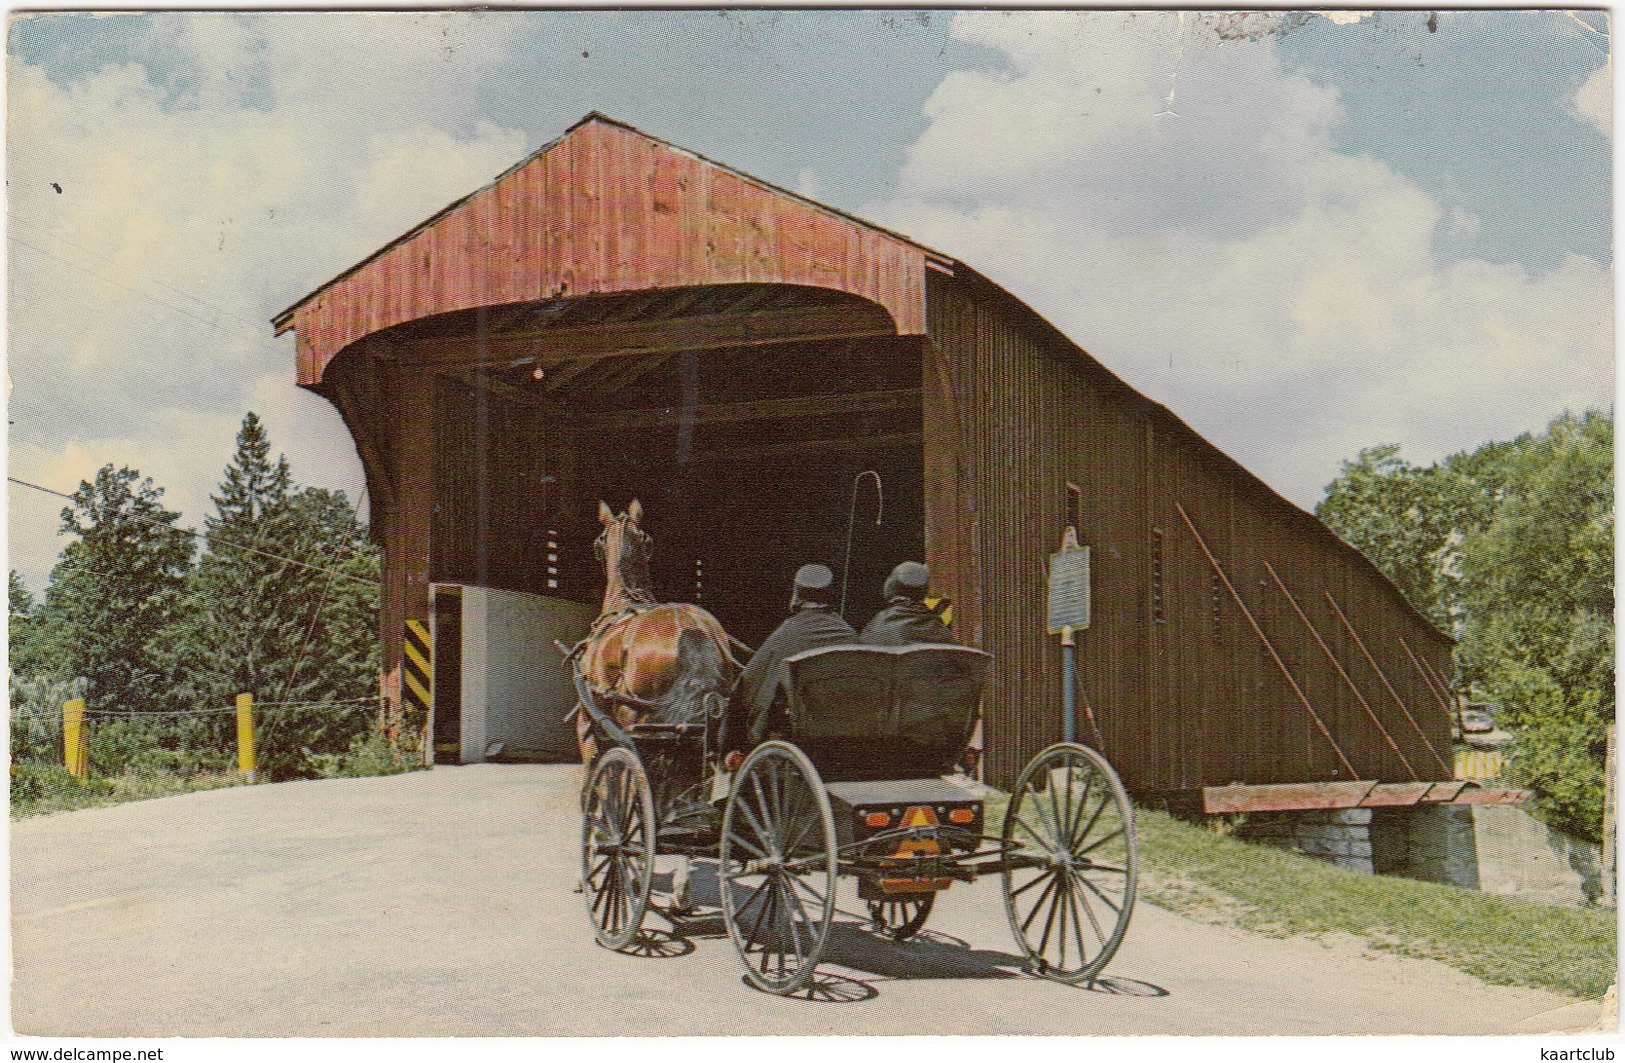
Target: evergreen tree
282,605
28,654
20,601
216,650
115,588
329,652
253,485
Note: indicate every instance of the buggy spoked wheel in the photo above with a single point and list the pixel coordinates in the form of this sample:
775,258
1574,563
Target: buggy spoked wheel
1069,831
617,847
900,918
777,867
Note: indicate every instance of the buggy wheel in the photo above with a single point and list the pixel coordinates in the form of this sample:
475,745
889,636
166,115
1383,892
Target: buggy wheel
1072,826
617,846
777,867
900,918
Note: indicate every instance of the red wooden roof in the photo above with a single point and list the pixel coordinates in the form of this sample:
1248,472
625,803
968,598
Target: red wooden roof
607,208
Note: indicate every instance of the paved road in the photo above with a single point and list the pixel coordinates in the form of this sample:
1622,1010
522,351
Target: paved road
439,903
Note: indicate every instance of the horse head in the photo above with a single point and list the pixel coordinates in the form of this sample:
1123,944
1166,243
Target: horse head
624,548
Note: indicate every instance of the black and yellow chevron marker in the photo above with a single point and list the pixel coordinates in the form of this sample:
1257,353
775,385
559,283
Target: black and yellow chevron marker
417,668
944,608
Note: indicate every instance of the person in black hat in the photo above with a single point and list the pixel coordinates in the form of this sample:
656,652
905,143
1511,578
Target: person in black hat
906,619
813,622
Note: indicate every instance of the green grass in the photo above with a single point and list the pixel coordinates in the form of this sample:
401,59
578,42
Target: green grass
38,790
1500,940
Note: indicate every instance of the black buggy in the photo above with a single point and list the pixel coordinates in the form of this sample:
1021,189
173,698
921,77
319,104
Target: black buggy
857,789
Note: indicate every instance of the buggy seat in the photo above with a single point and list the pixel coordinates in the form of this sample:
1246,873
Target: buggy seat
885,712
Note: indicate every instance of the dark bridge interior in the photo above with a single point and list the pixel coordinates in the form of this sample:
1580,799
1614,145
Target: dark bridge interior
764,473
742,417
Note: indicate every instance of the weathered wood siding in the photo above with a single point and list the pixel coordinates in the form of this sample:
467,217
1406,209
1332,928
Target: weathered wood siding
606,209
1182,690
496,489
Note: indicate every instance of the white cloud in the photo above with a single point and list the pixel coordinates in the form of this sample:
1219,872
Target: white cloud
414,172
198,198
184,450
808,184
1593,101
1173,201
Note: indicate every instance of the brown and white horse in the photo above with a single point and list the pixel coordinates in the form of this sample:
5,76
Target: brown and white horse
655,662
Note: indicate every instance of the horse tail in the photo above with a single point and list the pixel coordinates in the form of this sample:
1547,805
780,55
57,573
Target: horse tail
700,671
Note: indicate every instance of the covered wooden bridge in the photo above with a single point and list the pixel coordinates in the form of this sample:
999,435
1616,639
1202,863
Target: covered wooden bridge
617,317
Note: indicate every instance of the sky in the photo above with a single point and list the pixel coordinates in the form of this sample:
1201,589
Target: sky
1304,234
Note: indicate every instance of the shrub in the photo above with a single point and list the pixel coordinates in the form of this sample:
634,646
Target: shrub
33,782
115,744
368,755
36,715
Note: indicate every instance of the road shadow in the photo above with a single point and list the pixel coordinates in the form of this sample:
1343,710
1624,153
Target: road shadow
826,988
658,945
854,946
1113,986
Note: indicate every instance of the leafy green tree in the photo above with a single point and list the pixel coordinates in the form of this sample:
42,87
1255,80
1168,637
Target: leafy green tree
115,588
1510,547
36,716
1396,514
1539,594
1411,521
282,605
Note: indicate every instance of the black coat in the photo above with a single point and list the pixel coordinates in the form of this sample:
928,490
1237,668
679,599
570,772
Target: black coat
905,621
759,685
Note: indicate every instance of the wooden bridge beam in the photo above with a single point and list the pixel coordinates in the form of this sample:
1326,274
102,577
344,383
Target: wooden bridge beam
706,332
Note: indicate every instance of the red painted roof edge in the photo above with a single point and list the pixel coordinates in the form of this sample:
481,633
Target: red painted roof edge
284,320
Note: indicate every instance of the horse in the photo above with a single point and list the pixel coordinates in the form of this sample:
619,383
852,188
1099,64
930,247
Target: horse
652,661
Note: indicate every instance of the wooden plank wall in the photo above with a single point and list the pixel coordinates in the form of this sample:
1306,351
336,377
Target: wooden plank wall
493,497
606,209
1182,689
1015,456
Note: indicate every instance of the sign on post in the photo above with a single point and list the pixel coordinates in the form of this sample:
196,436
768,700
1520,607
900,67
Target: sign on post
417,670
1069,587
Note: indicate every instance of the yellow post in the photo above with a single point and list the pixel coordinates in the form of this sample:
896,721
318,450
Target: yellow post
75,741
245,735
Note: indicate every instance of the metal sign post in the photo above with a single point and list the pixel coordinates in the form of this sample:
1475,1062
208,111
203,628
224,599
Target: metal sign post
1069,610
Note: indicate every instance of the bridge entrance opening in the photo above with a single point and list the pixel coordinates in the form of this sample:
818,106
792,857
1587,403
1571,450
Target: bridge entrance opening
782,457
761,427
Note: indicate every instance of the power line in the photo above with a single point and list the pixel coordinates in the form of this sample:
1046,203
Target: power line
260,708
210,537
315,616
263,345
370,699
49,234
65,566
